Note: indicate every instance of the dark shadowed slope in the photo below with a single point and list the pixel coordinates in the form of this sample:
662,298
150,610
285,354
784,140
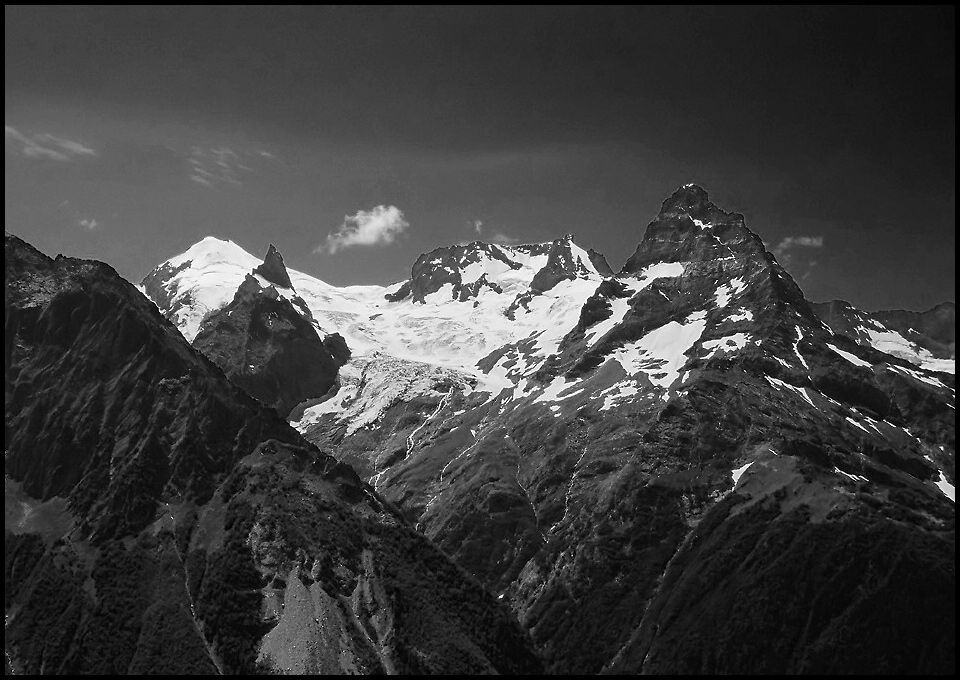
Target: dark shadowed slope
158,519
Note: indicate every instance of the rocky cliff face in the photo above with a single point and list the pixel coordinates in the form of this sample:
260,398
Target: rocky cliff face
273,269
690,227
158,519
270,348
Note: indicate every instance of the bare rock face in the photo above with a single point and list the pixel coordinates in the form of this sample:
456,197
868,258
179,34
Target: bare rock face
273,269
561,266
445,266
266,346
691,228
161,520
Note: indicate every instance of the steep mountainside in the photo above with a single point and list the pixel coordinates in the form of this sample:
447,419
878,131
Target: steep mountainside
661,470
267,341
158,519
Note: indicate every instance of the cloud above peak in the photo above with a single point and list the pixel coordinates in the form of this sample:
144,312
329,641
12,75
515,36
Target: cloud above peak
798,242
43,146
803,266
377,227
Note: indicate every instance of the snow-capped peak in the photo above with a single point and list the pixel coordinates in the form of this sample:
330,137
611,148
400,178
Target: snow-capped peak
211,251
465,272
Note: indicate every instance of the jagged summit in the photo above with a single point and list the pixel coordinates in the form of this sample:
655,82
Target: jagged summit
463,272
689,197
273,269
690,228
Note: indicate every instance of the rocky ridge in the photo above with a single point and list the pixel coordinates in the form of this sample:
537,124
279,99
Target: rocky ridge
158,519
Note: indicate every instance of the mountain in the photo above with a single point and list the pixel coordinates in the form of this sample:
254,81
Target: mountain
266,341
927,339
159,519
682,467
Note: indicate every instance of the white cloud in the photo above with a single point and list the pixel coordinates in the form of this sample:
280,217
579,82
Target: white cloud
89,224
798,242
503,239
50,147
798,265
498,237
379,226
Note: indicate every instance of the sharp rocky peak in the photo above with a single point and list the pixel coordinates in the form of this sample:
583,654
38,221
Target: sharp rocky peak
689,227
689,197
273,269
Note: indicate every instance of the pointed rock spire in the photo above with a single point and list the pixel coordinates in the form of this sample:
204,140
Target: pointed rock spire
273,269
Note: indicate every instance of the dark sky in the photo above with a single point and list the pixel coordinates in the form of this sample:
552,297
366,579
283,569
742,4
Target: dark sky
131,133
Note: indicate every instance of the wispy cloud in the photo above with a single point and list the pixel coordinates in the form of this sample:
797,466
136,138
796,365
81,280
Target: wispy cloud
503,239
220,165
89,224
380,226
43,146
498,237
798,242
789,246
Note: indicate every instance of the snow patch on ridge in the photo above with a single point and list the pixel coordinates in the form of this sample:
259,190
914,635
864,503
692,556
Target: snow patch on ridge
916,375
781,385
727,291
738,473
730,343
620,306
891,342
661,353
618,392
855,478
946,487
852,358
742,314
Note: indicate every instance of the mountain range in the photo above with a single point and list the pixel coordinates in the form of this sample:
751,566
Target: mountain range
516,460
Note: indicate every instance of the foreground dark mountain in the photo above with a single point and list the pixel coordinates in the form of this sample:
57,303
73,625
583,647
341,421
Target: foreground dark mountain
158,519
